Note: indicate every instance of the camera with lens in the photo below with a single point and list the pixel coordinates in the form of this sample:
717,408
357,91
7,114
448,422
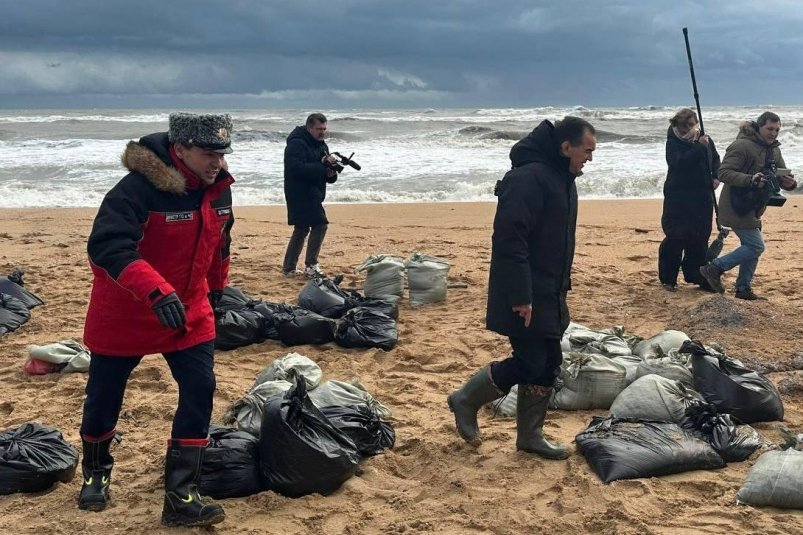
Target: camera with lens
340,162
772,186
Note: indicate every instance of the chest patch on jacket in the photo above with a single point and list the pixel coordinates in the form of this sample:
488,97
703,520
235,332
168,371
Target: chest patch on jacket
179,216
223,211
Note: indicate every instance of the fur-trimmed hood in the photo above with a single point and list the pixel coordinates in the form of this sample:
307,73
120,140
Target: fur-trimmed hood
150,157
749,130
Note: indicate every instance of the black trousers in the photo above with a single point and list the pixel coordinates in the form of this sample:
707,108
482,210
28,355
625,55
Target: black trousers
193,370
300,232
535,361
687,253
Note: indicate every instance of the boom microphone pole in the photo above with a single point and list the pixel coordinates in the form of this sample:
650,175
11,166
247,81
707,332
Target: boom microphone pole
716,246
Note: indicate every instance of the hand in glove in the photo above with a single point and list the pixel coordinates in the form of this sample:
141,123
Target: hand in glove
214,298
170,311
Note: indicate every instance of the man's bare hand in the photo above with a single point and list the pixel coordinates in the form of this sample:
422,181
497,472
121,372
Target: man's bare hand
525,311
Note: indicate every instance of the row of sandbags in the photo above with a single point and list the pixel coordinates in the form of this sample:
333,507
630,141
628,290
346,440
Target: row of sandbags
296,434
664,369
426,277
16,302
241,320
622,448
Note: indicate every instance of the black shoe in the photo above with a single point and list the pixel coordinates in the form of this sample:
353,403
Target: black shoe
704,286
712,275
183,505
96,466
669,287
748,295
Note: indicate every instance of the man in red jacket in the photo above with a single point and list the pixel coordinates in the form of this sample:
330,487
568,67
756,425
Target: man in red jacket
159,252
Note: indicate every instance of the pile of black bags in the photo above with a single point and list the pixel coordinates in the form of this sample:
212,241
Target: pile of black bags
366,322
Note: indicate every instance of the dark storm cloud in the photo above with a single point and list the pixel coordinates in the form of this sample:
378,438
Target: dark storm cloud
412,52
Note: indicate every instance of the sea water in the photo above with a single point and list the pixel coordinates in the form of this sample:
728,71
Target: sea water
72,157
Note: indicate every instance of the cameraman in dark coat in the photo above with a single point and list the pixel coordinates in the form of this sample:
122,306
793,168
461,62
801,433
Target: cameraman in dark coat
308,167
755,152
688,201
531,262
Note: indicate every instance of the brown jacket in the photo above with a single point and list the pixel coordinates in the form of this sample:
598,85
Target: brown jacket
744,158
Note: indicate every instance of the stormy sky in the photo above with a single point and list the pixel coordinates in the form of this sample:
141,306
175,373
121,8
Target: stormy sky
402,53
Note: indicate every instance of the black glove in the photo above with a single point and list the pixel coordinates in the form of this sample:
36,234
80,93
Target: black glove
170,311
214,298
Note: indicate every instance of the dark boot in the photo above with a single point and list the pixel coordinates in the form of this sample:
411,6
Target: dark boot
749,295
466,402
96,466
183,505
531,405
713,276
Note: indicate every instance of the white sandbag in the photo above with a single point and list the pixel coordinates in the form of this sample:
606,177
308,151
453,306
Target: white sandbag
339,393
675,366
609,342
505,407
384,275
282,368
775,480
70,352
427,278
665,341
631,364
247,411
653,397
588,381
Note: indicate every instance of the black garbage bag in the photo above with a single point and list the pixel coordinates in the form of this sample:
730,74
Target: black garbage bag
365,327
630,448
301,326
363,426
33,457
323,296
388,305
13,313
733,388
269,312
13,285
233,298
231,464
733,443
238,328
300,451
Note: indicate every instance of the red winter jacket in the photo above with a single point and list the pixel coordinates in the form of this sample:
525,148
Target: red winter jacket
156,232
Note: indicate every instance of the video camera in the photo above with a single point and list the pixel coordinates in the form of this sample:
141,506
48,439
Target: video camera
772,187
341,161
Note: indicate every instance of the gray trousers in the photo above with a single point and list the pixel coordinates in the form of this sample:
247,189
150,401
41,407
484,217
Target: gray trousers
316,234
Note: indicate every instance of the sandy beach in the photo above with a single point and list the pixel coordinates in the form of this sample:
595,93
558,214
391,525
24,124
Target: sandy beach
431,482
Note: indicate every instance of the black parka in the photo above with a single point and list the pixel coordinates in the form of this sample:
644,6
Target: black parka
305,178
533,239
688,198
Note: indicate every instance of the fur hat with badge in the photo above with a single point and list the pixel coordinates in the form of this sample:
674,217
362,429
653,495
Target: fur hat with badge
211,132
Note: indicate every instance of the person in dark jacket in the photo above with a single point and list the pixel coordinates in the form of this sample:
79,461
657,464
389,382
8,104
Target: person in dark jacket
159,253
688,201
755,152
308,167
531,261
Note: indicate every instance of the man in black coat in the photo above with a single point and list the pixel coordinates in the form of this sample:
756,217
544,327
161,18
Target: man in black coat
531,261
308,167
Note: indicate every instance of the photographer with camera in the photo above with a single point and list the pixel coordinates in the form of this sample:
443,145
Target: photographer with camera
751,171
308,167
